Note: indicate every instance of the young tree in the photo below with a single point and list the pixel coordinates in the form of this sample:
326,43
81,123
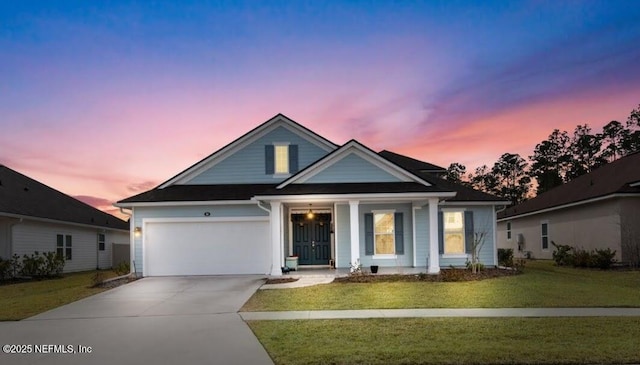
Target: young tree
513,180
549,161
456,173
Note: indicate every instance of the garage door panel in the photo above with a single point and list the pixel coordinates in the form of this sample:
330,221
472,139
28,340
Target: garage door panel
207,248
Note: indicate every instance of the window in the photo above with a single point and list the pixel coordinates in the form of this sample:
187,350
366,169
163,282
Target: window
509,230
101,240
281,161
384,237
453,233
64,246
545,235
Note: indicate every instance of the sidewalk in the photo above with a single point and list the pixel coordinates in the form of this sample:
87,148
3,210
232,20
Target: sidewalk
443,312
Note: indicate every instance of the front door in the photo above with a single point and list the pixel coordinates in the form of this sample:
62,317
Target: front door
312,238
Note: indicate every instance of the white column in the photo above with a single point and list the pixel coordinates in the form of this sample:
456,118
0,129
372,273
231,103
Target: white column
434,252
276,238
354,225
415,238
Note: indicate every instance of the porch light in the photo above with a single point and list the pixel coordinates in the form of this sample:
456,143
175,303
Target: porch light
137,231
310,214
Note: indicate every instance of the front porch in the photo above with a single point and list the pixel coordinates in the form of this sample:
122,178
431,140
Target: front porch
342,272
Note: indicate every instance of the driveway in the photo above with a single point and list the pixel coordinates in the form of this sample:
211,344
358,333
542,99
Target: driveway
160,320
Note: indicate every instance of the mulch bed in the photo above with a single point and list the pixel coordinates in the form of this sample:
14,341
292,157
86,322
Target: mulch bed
281,280
445,275
110,284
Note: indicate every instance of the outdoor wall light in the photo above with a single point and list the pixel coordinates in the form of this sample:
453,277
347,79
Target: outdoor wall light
137,231
310,213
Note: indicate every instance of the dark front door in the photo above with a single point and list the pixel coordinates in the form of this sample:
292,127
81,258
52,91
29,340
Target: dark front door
312,238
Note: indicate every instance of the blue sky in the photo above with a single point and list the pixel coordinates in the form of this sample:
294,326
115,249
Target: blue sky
103,99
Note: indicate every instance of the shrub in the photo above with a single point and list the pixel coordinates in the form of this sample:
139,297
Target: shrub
562,254
5,269
582,258
97,279
603,259
53,264
123,268
505,257
49,264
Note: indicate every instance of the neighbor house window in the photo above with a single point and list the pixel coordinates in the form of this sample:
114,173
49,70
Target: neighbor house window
101,240
453,223
509,230
281,162
384,237
544,228
64,246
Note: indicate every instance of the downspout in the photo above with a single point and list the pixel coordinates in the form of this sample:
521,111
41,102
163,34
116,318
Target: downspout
132,263
259,202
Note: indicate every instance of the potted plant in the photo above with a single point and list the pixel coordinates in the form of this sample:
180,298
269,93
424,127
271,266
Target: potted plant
374,269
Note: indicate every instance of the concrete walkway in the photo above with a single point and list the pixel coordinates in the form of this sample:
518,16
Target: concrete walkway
444,312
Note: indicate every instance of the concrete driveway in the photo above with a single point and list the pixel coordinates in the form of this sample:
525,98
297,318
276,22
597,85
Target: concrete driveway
168,320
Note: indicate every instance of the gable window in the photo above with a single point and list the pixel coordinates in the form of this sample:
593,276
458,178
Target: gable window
384,239
64,246
101,240
544,234
509,231
281,159
454,233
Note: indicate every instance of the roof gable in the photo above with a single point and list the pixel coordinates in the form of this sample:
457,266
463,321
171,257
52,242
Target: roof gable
351,153
617,177
278,122
22,196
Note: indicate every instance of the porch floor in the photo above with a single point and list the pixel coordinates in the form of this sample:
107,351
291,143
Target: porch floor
327,272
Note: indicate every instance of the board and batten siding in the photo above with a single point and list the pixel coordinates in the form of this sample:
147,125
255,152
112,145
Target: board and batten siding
191,211
352,169
343,236
405,259
247,165
422,236
482,222
29,237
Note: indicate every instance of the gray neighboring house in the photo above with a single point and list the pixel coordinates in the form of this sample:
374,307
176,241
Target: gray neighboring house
35,217
598,210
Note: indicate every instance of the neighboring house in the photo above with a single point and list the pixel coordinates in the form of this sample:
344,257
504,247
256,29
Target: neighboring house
598,210
283,190
35,217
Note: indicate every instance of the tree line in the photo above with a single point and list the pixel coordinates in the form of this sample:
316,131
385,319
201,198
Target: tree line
559,159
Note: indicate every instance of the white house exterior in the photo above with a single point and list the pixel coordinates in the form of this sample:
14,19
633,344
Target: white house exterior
282,190
35,217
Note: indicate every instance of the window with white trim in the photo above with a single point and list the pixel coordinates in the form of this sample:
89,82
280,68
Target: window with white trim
281,159
544,235
384,236
453,224
509,231
64,246
101,241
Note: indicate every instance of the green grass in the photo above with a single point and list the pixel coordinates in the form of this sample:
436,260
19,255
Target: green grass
26,299
541,285
452,341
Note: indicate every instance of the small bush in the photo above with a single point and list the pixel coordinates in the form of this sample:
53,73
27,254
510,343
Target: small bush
123,268
37,265
582,258
505,257
33,265
562,254
97,279
603,259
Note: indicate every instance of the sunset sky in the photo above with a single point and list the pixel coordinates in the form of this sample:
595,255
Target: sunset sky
103,100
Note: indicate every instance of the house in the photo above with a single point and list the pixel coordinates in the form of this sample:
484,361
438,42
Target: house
283,190
35,217
600,209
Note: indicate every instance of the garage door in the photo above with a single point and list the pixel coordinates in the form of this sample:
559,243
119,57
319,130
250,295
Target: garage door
207,248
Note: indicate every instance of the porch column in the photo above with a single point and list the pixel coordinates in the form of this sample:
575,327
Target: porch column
276,238
434,252
354,225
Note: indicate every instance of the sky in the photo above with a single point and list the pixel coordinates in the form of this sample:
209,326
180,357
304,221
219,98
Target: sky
103,100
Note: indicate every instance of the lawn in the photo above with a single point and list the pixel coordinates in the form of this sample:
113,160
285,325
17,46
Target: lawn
452,341
541,285
22,300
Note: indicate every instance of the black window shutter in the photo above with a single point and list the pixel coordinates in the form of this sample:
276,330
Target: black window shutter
368,233
441,232
399,233
293,158
269,159
468,230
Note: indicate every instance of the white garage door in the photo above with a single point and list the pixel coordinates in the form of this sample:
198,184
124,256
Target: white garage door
207,248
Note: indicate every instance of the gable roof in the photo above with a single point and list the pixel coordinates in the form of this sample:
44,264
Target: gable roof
271,124
410,163
361,150
21,196
192,193
617,177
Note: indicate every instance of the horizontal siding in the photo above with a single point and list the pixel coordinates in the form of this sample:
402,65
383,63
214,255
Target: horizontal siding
402,260
343,236
4,239
141,213
29,237
482,222
352,169
248,164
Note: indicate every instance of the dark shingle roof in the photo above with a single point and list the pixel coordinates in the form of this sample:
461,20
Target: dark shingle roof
353,188
23,196
612,178
184,193
411,164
